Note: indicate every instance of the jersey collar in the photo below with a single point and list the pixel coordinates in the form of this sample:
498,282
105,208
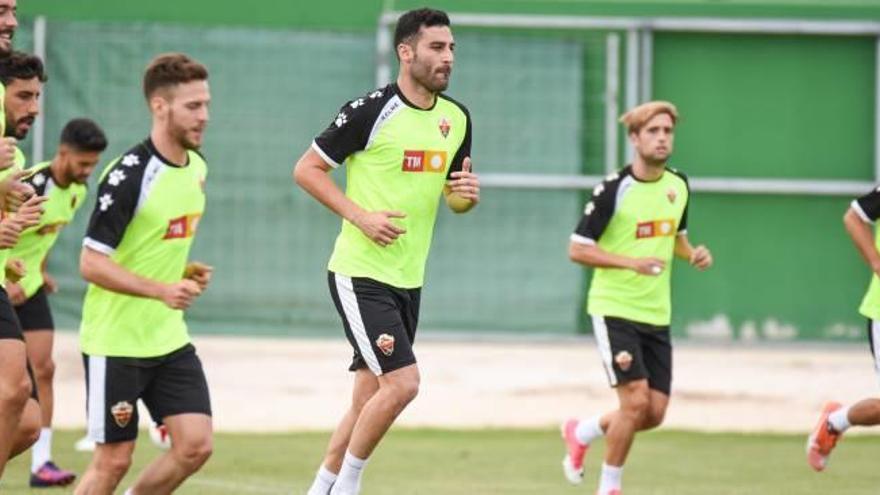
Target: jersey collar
150,146
411,104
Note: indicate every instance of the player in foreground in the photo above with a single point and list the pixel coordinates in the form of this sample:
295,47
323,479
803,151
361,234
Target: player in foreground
63,182
133,336
632,227
402,146
836,418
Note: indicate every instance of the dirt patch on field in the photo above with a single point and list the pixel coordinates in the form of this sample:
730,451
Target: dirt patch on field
292,384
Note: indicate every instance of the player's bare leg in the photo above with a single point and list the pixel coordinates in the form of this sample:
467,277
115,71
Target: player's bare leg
396,390
15,389
28,429
365,386
109,464
191,446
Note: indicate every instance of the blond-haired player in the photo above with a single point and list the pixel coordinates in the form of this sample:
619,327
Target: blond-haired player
632,227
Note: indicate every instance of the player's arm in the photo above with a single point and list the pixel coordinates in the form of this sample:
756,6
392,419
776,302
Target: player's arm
858,220
99,269
462,189
699,257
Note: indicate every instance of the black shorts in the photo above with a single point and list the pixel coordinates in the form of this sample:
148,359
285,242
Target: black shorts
34,314
632,351
380,321
168,385
10,328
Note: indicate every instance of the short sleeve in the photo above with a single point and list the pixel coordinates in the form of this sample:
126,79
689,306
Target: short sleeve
115,206
464,150
868,206
597,213
349,132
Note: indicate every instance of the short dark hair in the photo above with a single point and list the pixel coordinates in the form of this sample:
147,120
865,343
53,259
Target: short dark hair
411,22
171,69
20,65
84,135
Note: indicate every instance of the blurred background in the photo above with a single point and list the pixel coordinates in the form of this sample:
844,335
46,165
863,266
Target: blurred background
779,133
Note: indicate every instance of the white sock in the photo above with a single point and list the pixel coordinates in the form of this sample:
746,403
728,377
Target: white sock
839,420
588,430
348,482
323,482
610,478
42,450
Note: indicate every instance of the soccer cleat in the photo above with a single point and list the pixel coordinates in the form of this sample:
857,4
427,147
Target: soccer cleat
573,463
822,440
51,475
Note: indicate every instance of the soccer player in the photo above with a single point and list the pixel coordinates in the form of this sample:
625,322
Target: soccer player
19,411
63,182
133,336
402,145
836,418
632,227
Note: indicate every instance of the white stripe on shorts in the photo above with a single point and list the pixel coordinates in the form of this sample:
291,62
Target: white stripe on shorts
600,330
875,343
96,401
348,298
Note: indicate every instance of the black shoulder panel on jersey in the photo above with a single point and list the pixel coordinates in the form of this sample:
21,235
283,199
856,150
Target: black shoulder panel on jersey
682,223
464,150
600,209
350,129
118,193
38,178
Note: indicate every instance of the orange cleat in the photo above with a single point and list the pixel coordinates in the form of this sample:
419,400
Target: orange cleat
823,439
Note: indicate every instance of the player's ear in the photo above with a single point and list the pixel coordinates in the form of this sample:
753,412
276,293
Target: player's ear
158,103
405,52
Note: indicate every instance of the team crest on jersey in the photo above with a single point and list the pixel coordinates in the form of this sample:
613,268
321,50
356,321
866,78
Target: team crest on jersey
444,126
624,360
73,202
671,195
655,228
182,227
122,412
385,343
424,161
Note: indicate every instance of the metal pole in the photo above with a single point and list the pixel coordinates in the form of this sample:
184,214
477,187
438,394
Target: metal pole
38,152
877,111
383,52
632,78
647,67
612,98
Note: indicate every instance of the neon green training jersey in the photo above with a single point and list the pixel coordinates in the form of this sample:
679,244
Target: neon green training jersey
868,208
145,217
636,219
19,165
398,158
60,207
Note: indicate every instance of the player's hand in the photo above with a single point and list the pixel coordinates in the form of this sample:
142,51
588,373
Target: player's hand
10,230
14,192
7,152
15,270
648,266
701,257
465,183
15,292
377,225
199,272
180,295
30,212
50,283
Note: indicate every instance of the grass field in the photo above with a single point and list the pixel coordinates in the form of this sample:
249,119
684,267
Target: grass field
440,462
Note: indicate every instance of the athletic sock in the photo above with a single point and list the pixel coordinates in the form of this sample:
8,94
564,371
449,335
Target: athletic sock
324,480
588,430
839,420
42,450
610,479
348,482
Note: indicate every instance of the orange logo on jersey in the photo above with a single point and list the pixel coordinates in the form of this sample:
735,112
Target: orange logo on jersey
424,161
655,228
182,227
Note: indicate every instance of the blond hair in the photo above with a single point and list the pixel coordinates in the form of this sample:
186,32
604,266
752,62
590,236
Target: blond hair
637,117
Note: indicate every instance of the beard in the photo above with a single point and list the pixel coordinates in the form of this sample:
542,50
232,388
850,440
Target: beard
430,79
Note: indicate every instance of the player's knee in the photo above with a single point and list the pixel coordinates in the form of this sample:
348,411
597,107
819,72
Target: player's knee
113,466
637,408
15,393
194,453
407,390
45,370
29,428
654,418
